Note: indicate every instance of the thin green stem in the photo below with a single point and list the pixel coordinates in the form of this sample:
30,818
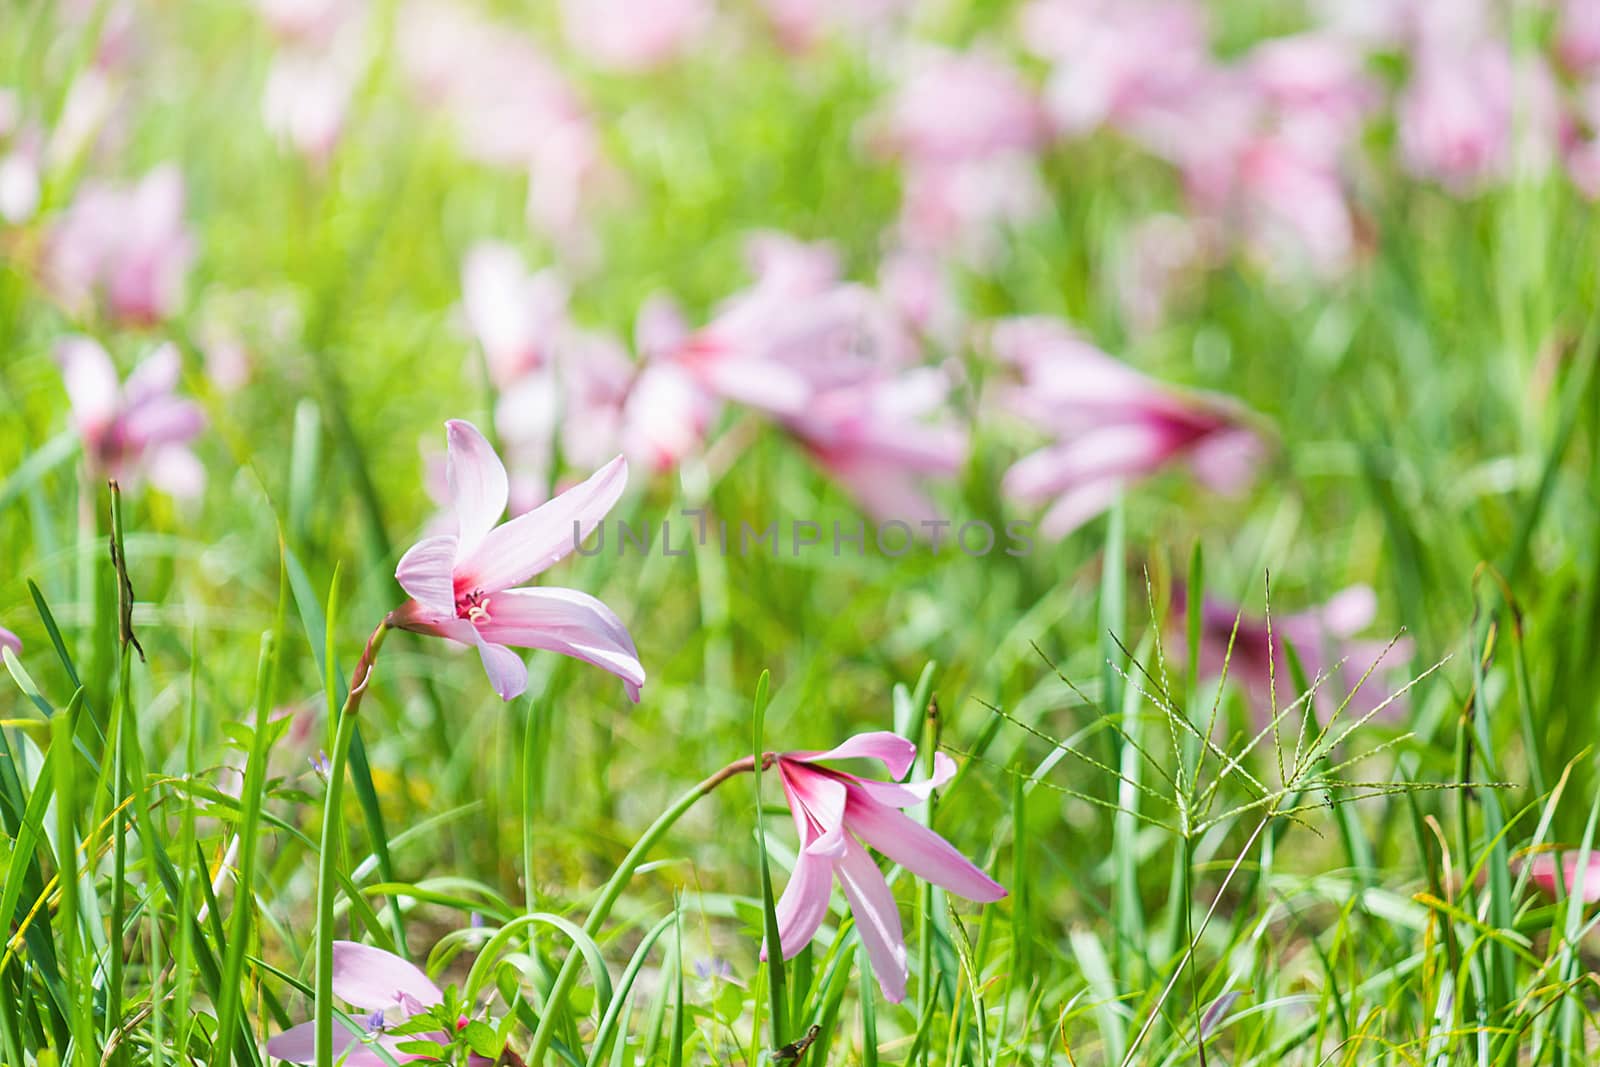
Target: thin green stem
612,891
331,841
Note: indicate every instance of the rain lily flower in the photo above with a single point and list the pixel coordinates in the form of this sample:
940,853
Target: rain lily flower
462,584
128,243
1465,109
960,106
1578,40
133,426
633,35
1322,638
385,987
11,641
1111,424
835,814
1117,62
515,315
20,147
1584,882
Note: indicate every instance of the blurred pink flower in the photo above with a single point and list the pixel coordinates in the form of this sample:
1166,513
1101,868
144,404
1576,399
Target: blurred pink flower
126,242
306,101
801,25
1116,62
1583,148
1578,36
21,151
1164,254
1464,109
390,990
634,35
512,107
515,315
962,210
956,106
881,439
667,411
1575,881
307,23
1323,640
11,641
1111,425
461,584
916,286
136,426
835,813
1317,90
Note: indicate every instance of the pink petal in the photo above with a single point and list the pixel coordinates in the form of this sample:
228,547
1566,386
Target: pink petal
91,382
10,640
895,752
918,849
477,481
175,470
804,903
517,550
1584,883
565,621
160,420
156,376
425,573
908,794
507,673
371,978
1350,611
877,918
1078,505
298,1043
817,796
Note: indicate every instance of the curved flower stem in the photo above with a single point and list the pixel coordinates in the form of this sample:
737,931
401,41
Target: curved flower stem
332,841
612,890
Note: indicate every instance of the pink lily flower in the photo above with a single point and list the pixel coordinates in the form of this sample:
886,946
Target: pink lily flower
958,106
634,35
129,243
11,641
961,210
1465,109
801,25
462,585
515,315
1116,61
21,146
136,426
1324,640
1111,424
1578,39
1584,883
835,814
306,100
390,990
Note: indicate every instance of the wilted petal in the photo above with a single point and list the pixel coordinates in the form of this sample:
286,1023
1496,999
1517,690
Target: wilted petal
517,550
565,621
477,480
804,903
371,978
918,849
877,918
424,573
893,751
